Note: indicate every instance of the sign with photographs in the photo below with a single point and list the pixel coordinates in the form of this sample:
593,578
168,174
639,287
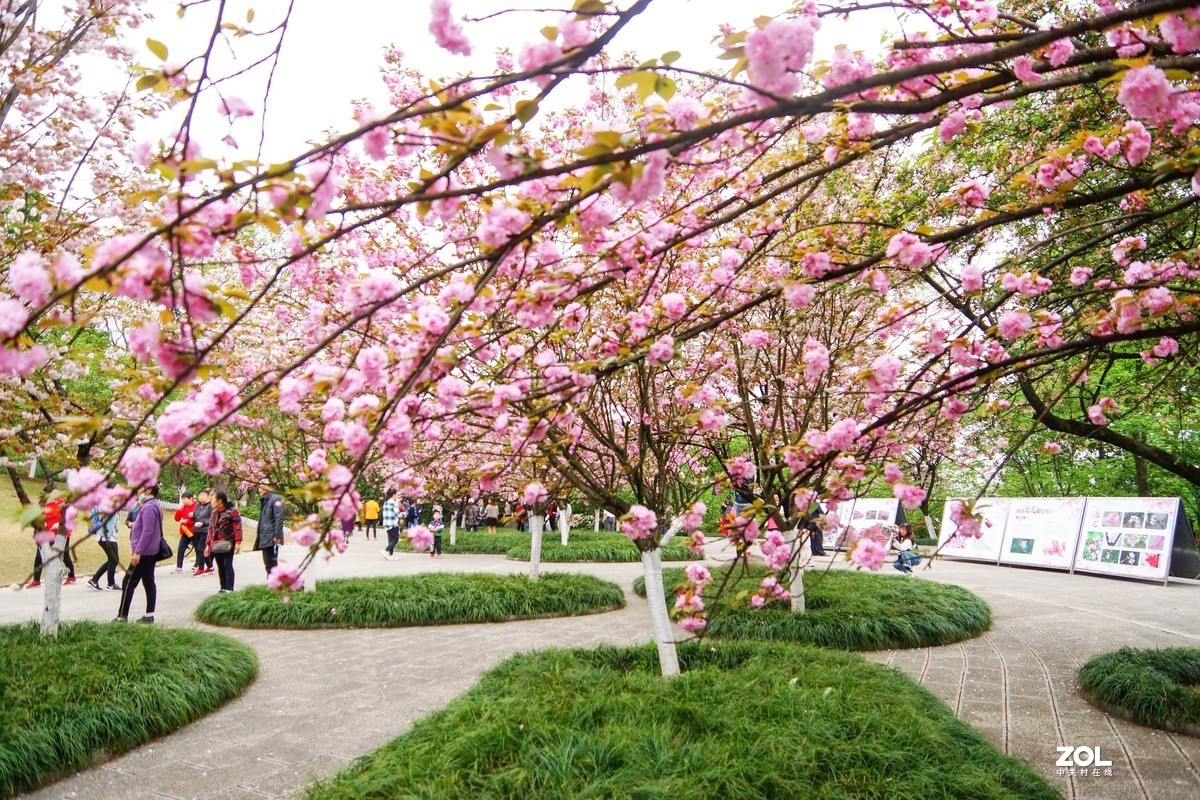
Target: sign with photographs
1128,536
1042,531
864,513
987,546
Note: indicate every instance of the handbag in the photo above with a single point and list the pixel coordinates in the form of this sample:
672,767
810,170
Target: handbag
222,546
164,550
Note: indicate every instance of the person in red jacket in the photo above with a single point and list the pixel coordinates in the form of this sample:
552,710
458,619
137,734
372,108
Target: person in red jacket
225,539
52,513
183,515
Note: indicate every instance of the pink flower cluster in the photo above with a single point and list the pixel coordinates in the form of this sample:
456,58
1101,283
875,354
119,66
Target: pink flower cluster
966,524
285,577
639,523
769,589
446,32
868,553
420,537
776,51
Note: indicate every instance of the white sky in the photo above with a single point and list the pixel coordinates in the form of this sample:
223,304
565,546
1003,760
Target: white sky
333,51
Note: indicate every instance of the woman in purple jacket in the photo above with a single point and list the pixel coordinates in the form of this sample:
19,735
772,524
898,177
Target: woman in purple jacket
144,541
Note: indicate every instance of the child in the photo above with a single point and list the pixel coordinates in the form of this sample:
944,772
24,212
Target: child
435,527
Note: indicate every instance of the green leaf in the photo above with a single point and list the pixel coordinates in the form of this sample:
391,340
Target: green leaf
670,57
665,87
147,81
526,110
158,48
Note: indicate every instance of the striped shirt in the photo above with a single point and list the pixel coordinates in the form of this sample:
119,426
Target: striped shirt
391,514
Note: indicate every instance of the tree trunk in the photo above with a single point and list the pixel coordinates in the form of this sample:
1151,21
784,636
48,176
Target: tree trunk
453,529
664,637
14,478
1141,475
564,524
596,522
52,581
536,518
674,528
801,555
930,529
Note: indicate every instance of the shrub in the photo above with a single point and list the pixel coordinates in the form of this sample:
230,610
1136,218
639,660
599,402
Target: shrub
1153,687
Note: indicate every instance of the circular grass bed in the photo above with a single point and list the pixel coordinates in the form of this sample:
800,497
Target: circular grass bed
1157,688
844,609
96,691
745,720
582,546
430,599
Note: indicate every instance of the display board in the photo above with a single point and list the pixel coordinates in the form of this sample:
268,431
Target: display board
864,513
1042,532
987,546
1128,536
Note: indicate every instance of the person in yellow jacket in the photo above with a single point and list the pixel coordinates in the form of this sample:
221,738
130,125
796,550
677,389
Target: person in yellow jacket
370,511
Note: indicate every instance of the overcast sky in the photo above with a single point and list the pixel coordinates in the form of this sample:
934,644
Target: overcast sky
333,51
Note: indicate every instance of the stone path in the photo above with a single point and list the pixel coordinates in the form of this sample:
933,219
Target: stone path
325,697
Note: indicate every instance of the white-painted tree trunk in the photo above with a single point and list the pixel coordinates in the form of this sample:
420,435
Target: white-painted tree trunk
676,525
564,524
664,637
801,556
453,528
535,544
930,530
52,581
596,522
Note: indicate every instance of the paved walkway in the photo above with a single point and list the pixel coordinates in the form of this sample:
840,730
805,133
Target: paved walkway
326,697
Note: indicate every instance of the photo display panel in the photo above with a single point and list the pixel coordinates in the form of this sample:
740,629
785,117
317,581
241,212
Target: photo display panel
987,546
1128,536
1042,531
864,513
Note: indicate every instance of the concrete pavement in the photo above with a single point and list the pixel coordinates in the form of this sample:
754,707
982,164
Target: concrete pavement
326,697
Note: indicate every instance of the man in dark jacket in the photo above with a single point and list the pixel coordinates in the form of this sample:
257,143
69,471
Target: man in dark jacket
270,529
144,541
201,522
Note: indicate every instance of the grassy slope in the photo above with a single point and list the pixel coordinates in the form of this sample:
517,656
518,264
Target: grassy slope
583,545
1154,687
103,689
744,721
852,610
431,599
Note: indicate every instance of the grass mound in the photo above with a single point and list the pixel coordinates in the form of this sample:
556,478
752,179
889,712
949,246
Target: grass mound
431,599
1157,688
98,690
582,546
745,720
847,610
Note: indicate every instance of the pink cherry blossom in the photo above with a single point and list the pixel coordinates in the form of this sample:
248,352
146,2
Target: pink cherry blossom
909,250
446,32
674,305
535,494
816,360
1166,347
1023,69
139,466
1146,93
420,538
693,624
639,523
1052,448
699,575
776,51
1080,275
29,279
966,524
909,496
13,317
1059,52
952,125
1014,324
662,351
799,294
211,461
972,279
868,553
286,577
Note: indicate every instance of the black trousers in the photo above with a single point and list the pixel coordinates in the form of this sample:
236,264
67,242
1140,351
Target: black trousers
373,527
143,573
224,569
393,535
816,540
66,557
184,543
437,544
201,542
110,550
270,557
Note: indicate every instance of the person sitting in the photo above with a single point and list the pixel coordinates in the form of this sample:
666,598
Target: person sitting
905,544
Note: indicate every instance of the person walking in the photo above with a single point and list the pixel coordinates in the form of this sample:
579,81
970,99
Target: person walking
106,527
145,540
391,524
225,539
436,527
491,515
183,515
371,518
201,524
270,529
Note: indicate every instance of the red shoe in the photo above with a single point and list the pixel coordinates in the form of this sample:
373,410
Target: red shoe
70,579
33,584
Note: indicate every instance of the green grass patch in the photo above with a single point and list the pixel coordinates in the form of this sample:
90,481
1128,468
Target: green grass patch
582,546
745,720
430,599
95,691
1153,687
844,609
